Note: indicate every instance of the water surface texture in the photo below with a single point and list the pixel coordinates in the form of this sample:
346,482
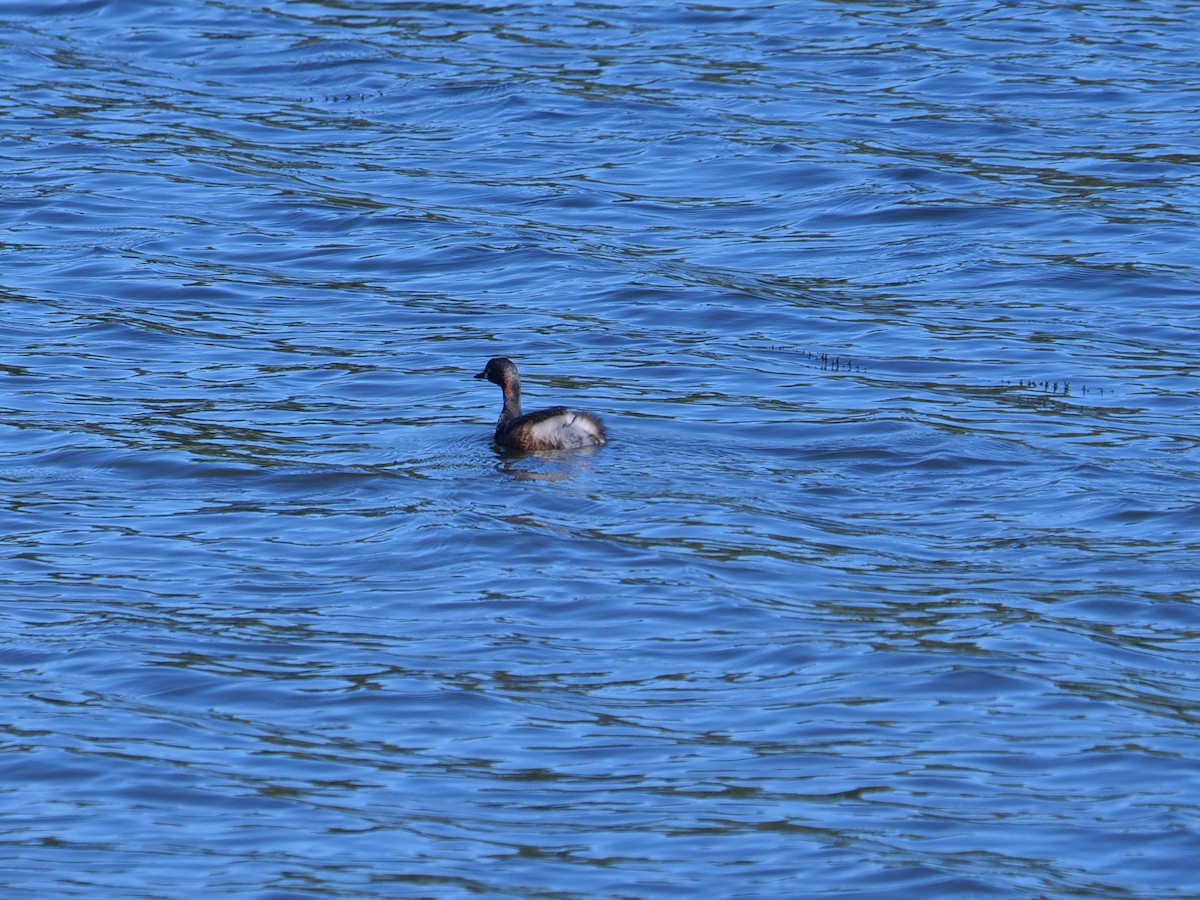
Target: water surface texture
886,583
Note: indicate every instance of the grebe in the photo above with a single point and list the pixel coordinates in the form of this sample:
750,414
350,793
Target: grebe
557,428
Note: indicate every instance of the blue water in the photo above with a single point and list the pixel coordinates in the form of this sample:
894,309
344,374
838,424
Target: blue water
886,583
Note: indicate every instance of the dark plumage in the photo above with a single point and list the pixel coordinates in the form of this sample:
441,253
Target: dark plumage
557,428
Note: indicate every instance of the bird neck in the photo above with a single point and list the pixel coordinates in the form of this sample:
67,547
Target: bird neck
512,399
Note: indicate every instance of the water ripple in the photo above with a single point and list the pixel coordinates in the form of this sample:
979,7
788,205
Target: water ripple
885,583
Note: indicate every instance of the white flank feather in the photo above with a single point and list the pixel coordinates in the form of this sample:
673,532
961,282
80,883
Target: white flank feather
568,431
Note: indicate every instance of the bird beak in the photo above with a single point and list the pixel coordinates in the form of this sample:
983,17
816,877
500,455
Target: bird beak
482,374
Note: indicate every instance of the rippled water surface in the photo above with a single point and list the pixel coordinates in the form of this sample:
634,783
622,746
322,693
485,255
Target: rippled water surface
886,583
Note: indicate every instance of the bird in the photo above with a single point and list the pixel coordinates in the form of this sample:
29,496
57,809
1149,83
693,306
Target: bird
557,428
